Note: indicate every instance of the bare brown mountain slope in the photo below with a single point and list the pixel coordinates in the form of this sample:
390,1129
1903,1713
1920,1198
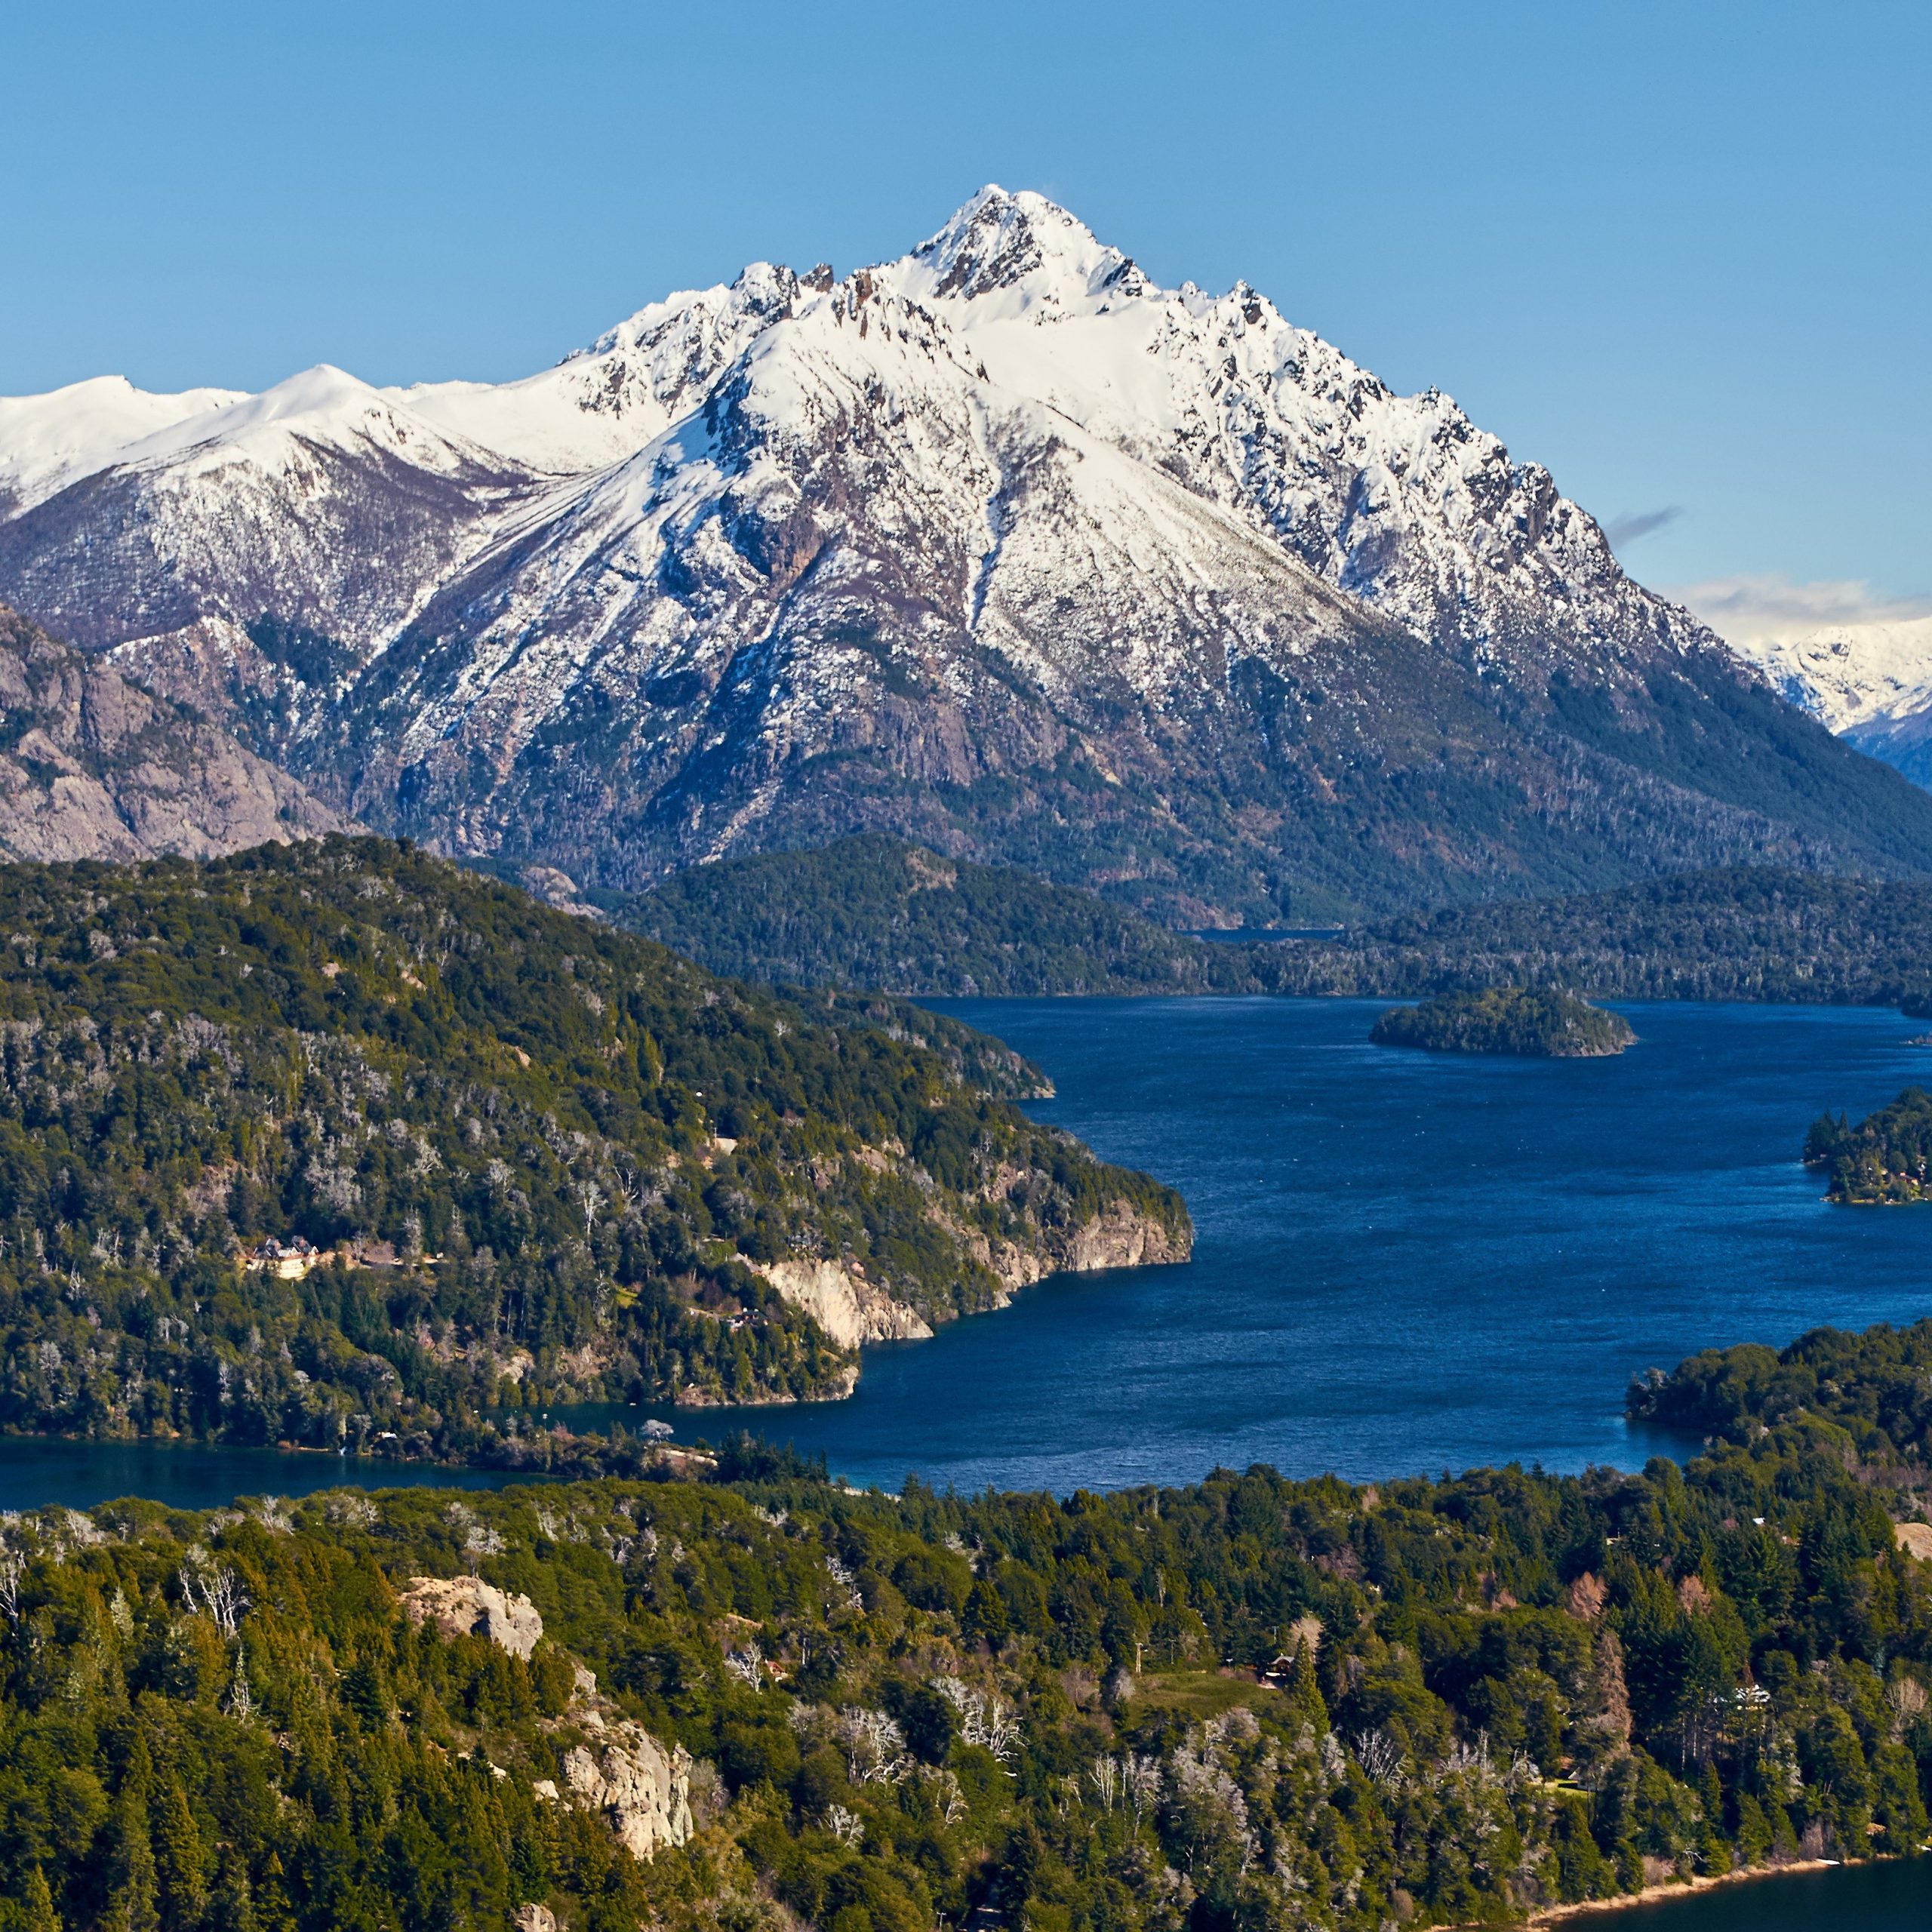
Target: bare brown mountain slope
92,767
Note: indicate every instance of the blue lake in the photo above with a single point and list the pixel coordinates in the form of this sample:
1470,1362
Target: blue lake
1405,1262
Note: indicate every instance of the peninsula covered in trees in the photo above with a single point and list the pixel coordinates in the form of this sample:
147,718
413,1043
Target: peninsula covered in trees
1871,1391
1884,1159
1505,1020
337,1145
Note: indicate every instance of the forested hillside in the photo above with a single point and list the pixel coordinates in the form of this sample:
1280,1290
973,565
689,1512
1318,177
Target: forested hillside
337,1145
753,1703
1738,932
876,912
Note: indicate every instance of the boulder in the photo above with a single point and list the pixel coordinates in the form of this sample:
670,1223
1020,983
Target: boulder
468,1607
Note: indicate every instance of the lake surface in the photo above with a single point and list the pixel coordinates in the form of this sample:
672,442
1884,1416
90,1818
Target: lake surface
1405,1262
1894,1897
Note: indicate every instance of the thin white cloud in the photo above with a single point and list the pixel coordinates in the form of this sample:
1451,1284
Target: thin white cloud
1748,610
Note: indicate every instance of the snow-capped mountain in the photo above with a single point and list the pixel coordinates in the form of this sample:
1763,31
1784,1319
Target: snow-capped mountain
998,544
1871,684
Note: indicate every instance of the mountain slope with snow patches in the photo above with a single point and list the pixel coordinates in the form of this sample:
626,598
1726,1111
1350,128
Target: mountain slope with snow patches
998,545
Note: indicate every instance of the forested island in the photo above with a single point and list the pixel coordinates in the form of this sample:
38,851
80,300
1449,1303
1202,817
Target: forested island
755,1698
338,1145
1524,1021
1884,1159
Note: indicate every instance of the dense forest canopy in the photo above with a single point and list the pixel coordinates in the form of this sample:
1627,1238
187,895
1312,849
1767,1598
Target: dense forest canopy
1871,1391
1494,1693
546,1159
1731,933
876,912
1529,1022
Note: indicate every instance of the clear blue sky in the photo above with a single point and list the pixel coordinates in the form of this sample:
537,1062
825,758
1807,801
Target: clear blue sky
1679,252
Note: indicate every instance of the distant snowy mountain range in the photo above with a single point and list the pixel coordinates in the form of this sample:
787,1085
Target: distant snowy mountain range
998,545
1871,684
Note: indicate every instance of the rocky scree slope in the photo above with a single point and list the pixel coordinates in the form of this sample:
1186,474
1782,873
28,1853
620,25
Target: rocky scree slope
335,1144
999,547
92,767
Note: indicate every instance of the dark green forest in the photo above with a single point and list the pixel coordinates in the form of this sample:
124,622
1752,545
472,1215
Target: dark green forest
543,1160
875,912
1734,932
1497,1692
1881,1161
1869,1394
1527,1021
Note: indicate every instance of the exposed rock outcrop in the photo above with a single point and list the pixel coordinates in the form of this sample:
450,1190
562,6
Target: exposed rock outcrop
466,1606
643,1791
849,1309
92,767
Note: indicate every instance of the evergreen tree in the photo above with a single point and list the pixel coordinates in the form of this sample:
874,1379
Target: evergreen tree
985,1618
273,1912
231,1909
37,1911
1304,1690
132,1903
179,1859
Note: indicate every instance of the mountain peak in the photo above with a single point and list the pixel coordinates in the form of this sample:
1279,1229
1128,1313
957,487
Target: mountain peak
1016,252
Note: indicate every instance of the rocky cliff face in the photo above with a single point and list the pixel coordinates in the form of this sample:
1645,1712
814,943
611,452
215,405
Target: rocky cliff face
1000,546
92,767
642,1791
854,1311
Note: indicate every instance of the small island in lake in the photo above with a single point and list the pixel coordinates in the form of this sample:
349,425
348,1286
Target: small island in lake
1535,1023
1884,1159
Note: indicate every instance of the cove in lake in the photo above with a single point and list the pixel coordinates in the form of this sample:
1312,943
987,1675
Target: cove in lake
1405,1262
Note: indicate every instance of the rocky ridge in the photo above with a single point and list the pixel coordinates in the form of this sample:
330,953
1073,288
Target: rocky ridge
93,766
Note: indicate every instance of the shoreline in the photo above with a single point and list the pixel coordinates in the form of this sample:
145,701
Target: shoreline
1557,1914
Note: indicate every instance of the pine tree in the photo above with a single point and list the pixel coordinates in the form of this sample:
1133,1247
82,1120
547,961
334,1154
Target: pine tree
231,1909
37,1909
984,1619
179,1860
1304,1691
132,1904
273,1912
